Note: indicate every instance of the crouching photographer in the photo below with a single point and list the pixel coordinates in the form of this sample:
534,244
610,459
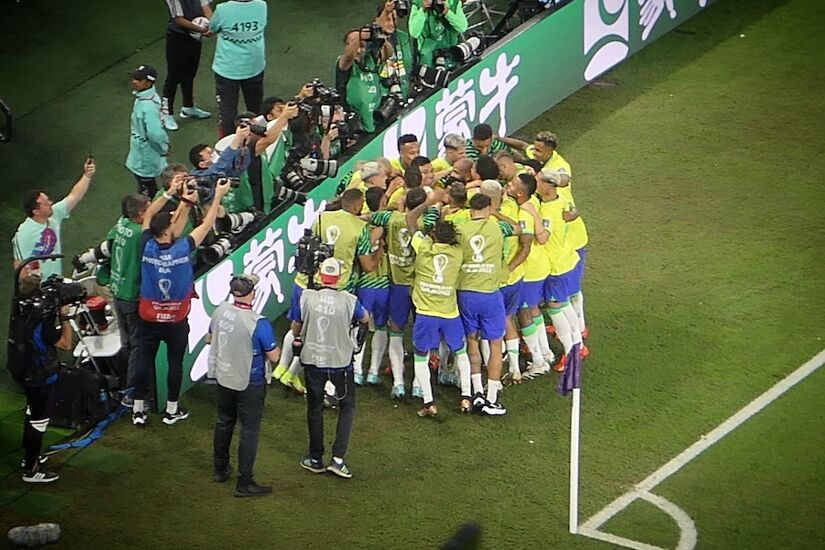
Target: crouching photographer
37,329
324,344
436,25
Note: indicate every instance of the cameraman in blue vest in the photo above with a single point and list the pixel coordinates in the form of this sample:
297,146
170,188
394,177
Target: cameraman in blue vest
166,288
241,344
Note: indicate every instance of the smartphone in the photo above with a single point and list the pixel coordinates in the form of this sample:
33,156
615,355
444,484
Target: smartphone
91,157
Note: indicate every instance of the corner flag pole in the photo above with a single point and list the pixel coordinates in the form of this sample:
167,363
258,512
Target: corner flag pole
574,462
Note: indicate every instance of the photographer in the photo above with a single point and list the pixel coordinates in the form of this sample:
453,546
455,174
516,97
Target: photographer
352,246
436,24
405,56
34,338
124,279
166,288
325,347
357,74
39,234
238,360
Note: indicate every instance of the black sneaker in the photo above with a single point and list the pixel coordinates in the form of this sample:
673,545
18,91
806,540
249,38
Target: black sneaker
42,459
223,475
313,465
252,489
140,419
493,409
40,476
181,414
478,402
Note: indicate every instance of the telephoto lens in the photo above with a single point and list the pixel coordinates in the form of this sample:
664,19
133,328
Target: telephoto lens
316,167
235,222
212,254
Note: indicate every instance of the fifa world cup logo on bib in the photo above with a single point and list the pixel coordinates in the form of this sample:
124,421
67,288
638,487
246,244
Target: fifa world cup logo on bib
477,243
332,234
440,262
164,285
323,324
404,240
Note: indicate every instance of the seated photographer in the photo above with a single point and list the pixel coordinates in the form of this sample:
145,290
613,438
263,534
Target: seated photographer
35,335
357,72
436,24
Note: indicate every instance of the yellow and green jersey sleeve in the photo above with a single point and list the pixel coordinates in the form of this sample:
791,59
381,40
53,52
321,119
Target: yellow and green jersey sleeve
578,231
537,265
559,247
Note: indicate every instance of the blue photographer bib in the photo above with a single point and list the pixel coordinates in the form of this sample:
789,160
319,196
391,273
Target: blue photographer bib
166,281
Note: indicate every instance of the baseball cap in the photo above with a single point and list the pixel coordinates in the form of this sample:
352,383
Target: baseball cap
145,72
330,271
243,283
369,170
551,176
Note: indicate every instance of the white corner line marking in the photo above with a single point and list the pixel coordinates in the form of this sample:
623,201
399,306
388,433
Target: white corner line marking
688,536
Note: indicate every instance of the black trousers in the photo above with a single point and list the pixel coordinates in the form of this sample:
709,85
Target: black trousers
149,337
39,407
248,407
345,392
183,55
146,186
127,324
226,94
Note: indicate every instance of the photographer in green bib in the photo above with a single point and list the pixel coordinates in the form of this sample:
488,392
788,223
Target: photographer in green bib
405,53
436,24
357,72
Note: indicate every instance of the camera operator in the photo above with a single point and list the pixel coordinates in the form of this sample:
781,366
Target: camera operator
357,74
244,342
149,143
39,234
352,245
124,278
33,363
240,57
436,24
166,288
325,348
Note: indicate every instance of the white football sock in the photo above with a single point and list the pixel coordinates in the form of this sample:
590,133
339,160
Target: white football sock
462,362
397,358
573,321
512,355
138,406
577,302
422,376
478,383
295,366
286,350
484,345
532,341
358,361
171,407
563,332
493,386
541,332
379,345
443,357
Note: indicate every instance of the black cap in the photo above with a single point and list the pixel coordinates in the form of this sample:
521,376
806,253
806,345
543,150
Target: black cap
243,283
145,72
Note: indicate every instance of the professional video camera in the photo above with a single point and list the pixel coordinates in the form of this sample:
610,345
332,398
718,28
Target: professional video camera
52,294
310,254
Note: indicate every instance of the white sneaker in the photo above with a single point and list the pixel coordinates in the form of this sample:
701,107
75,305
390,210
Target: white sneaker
170,123
536,370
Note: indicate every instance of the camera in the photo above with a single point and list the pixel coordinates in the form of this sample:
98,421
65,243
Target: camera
465,51
433,77
257,129
374,35
96,255
310,254
205,185
438,6
234,222
402,8
53,294
322,93
212,253
319,168
391,103
349,128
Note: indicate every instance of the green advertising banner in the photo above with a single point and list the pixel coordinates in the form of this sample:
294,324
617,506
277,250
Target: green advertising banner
518,78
